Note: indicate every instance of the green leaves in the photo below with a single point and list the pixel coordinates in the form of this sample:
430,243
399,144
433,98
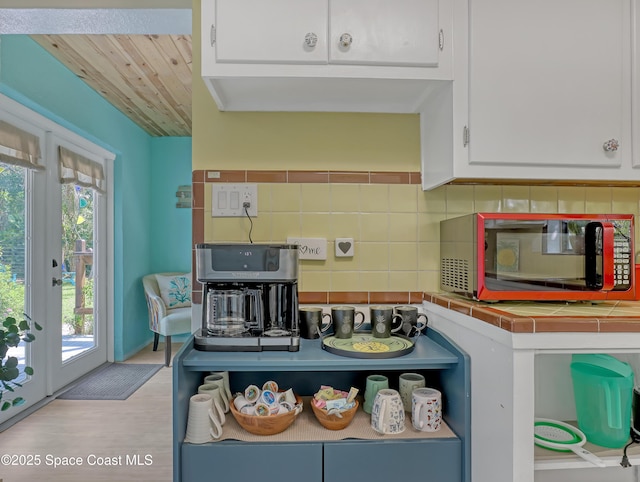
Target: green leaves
12,332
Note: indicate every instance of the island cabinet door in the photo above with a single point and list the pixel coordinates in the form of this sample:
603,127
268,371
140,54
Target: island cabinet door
434,460
241,461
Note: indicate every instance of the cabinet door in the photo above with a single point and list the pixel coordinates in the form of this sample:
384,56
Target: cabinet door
429,460
384,32
241,461
257,31
549,82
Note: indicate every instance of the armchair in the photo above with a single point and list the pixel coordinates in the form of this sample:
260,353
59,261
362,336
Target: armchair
168,298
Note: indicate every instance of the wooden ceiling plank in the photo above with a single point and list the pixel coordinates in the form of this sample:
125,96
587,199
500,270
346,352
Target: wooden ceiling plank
161,73
148,62
129,77
81,58
155,94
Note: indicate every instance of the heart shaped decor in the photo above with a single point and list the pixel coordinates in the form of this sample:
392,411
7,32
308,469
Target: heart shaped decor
344,247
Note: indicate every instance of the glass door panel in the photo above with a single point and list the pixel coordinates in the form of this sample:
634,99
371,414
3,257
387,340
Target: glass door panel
20,276
78,334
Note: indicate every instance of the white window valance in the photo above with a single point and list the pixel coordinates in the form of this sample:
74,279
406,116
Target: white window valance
19,147
77,169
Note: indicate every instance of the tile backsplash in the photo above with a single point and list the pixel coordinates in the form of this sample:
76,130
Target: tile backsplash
394,224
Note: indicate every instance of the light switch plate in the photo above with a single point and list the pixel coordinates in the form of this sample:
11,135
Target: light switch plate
310,248
344,247
227,200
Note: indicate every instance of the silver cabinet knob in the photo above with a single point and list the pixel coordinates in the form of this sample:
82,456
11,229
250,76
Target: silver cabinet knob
345,40
611,145
311,40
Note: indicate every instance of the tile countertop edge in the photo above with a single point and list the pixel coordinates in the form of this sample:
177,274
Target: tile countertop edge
625,322
455,324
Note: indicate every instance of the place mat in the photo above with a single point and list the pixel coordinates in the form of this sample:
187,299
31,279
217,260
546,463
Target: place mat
307,428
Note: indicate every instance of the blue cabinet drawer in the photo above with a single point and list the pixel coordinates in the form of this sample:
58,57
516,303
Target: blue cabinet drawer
433,460
241,461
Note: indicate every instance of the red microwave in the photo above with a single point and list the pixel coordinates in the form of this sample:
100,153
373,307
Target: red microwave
531,256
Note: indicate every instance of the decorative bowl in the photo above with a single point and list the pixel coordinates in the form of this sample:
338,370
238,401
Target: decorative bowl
333,422
269,425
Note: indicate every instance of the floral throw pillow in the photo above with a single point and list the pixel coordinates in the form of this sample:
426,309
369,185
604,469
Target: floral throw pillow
175,290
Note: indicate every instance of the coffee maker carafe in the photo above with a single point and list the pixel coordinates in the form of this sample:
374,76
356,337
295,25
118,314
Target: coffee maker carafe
250,297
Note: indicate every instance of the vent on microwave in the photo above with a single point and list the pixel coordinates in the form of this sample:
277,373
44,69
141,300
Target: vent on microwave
454,274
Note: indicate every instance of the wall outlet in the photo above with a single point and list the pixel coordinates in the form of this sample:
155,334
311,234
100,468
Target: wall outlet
310,248
228,200
344,248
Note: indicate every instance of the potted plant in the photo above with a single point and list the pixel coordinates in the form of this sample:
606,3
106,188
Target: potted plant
12,332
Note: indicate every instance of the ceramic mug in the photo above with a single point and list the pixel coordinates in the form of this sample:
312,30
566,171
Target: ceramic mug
343,320
408,383
219,380
426,412
311,322
216,399
382,321
374,384
200,426
387,415
227,387
410,320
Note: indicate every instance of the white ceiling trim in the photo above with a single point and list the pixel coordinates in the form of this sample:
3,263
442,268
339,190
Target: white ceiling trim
169,21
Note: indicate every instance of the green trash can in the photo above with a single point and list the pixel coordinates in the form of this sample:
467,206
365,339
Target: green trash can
603,388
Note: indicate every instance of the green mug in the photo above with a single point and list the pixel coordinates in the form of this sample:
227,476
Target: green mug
374,384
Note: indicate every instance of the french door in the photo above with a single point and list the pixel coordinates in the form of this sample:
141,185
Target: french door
77,231
54,240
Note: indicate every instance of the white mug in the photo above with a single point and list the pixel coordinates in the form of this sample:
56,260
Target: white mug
227,386
387,413
217,403
426,412
219,380
199,422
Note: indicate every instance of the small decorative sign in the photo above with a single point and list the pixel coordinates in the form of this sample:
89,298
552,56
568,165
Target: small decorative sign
344,247
310,248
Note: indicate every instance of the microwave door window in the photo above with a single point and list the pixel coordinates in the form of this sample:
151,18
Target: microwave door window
547,256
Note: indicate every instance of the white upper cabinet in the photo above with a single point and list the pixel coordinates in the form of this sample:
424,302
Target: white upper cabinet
384,32
325,55
274,31
542,91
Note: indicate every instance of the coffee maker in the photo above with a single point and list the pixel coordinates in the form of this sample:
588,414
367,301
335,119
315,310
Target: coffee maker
249,297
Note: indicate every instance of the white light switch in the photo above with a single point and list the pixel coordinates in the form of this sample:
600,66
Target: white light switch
344,248
310,248
227,200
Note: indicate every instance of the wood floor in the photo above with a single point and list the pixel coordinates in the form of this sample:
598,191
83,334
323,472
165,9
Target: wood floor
133,436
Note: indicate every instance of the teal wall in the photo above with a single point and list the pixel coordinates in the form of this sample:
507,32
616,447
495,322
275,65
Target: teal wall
29,75
170,168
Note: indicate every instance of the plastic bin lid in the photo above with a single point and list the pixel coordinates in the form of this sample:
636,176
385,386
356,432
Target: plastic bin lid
603,361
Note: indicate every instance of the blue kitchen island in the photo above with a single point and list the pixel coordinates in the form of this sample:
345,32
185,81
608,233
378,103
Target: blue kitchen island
441,457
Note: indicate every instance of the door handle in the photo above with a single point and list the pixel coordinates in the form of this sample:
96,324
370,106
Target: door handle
56,282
